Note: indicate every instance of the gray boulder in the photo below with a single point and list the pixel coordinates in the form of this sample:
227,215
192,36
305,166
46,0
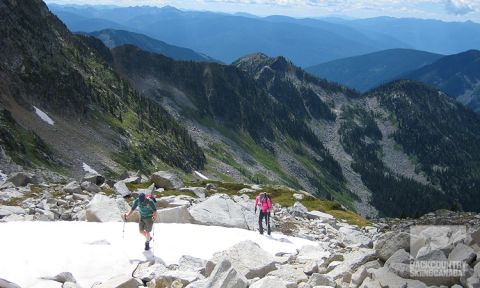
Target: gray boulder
318,279
11,210
22,179
309,252
9,193
103,209
352,261
359,276
167,180
289,274
94,178
225,275
247,257
269,282
462,253
90,187
401,256
385,278
168,277
121,189
178,214
72,188
299,210
200,192
391,242
355,237
323,217
221,210
189,263
174,201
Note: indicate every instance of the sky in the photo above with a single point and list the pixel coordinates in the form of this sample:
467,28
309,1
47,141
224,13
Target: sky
448,10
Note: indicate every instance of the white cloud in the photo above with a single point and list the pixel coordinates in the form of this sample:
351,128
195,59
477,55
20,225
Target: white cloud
459,7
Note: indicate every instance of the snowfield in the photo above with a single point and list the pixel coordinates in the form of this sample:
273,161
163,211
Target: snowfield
43,116
98,251
88,169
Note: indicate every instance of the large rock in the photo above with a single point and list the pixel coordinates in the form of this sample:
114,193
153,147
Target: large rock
103,209
168,277
121,281
10,193
386,278
247,257
401,256
178,214
323,217
11,210
189,263
7,284
298,210
359,276
352,236
225,275
72,188
463,253
289,274
167,180
309,252
121,189
390,243
352,261
221,210
22,179
90,187
174,201
94,178
146,272
269,282
200,192
318,279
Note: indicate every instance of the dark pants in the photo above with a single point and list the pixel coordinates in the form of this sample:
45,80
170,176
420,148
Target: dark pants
265,215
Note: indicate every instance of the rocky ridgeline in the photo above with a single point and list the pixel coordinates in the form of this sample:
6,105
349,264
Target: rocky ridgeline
382,254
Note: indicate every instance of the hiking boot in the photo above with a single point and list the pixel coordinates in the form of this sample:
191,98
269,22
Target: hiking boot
147,246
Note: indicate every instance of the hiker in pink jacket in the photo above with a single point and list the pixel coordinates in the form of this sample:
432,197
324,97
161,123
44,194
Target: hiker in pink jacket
265,202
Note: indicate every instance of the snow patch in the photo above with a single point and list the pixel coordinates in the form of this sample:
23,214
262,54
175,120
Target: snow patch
201,175
88,169
43,116
67,247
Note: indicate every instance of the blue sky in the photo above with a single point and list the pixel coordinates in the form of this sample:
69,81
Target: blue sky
449,10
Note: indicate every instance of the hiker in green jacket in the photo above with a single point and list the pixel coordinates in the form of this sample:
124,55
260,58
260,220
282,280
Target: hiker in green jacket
148,214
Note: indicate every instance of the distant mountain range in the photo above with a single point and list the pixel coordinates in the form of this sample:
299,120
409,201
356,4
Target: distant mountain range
457,75
371,70
306,42
114,38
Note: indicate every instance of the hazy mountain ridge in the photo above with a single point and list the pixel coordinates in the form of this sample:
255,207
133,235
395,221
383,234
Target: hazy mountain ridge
365,72
114,38
227,37
457,75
